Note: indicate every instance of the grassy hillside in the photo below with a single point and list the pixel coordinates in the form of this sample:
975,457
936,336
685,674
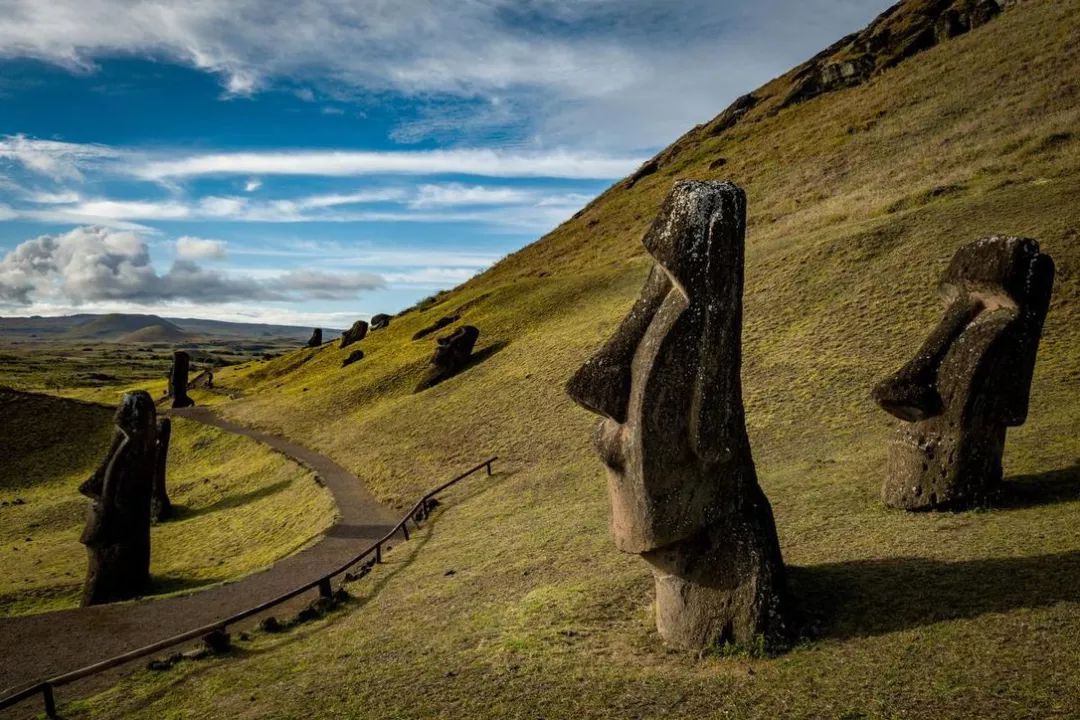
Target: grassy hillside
858,198
240,505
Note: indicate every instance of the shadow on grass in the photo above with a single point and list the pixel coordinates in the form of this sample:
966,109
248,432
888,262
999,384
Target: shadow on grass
1047,488
168,584
873,597
183,512
475,359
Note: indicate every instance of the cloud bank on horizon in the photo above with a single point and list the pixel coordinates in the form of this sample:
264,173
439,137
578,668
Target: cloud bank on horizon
315,160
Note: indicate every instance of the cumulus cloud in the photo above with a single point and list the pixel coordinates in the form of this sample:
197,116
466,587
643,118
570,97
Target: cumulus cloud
96,264
196,248
252,185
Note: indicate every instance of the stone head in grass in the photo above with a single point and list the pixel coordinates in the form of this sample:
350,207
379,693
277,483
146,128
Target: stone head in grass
684,494
117,533
970,380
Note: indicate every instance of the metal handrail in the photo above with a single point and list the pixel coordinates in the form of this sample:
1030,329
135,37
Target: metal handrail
46,687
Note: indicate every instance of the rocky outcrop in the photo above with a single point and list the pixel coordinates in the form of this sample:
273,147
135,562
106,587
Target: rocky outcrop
117,533
380,321
316,338
684,493
178,380
452,354
970,380
355,334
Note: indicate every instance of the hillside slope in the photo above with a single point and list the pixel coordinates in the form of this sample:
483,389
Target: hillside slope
858,198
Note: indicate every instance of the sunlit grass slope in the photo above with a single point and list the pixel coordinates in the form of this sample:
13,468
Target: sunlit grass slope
240,505
858,199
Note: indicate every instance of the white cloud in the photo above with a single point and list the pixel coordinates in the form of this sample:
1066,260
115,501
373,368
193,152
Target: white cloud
485,162
50,158
458,194
96,264
432,276
252,185
196,248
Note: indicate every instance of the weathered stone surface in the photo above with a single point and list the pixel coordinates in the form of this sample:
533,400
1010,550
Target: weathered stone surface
355,334
161,508
452,353
380,321
971,378
681,478
117,533
316,338
353,357
178,380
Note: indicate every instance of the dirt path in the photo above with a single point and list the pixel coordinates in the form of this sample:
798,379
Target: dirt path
36,646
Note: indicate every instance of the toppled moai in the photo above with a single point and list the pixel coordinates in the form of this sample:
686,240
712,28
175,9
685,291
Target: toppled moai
380,321
354,356
681,480
356,333
316,338
117,533
452,354
178,380
161,508
970,380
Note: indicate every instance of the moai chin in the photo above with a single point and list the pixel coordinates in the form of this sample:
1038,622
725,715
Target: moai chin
970,380
117,533
684,494
178,380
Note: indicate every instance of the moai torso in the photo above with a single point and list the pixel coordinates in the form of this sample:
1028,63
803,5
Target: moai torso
970,380
178,380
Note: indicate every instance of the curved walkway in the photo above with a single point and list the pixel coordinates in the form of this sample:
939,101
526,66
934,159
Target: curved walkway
46,644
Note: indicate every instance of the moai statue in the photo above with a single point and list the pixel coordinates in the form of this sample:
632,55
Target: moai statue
684,494
316,338
380,321
970,380
178,380
117,533
356,333
161,508
452,354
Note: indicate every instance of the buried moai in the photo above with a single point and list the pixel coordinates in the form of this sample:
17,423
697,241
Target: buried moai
355,334
117,533
684,494
161,508
970,380
178,380
380,321
452,354
316,338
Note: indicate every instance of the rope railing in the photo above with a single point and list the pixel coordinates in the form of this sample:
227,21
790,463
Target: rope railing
419,511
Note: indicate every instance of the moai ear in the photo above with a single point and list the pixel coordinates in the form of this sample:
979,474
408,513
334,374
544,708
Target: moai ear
602,384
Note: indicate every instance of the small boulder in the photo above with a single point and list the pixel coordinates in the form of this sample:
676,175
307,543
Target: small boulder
354,334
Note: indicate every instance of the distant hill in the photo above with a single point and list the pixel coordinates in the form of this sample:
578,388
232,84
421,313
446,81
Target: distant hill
133,328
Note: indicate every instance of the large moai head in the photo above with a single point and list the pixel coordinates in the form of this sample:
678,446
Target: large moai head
680,473
316,338
970,380
178,380
117,533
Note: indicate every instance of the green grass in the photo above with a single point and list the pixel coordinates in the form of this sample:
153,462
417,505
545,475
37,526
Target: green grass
240,506
930,616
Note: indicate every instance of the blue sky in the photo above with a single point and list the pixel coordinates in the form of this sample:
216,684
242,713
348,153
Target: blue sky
315,161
